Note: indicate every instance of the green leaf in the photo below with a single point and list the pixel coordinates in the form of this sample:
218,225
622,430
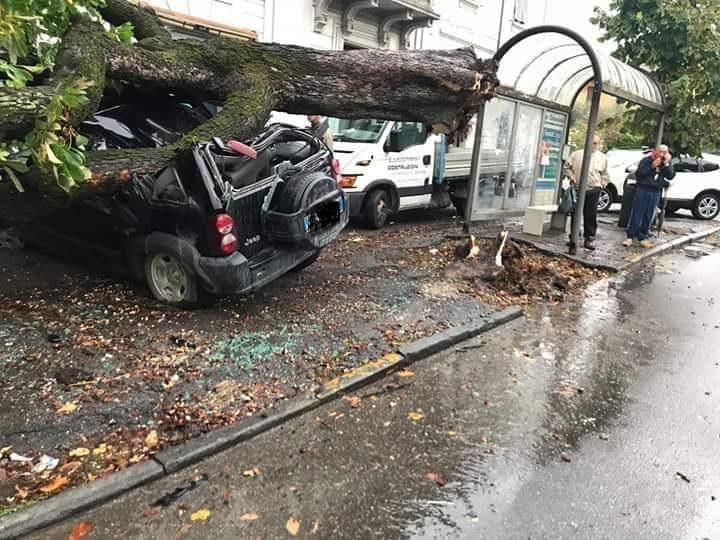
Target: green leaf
15,180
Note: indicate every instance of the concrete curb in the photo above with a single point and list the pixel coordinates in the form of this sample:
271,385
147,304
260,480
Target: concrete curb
169,461
76,500
662,248
657,250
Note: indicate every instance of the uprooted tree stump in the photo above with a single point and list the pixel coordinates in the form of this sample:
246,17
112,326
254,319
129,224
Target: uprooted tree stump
505,265
442,89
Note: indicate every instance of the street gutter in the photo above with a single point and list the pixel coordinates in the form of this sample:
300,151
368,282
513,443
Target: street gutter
88,496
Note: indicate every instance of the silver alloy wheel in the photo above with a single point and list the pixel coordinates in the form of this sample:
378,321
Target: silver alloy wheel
169,278
604,201
381,210
708,207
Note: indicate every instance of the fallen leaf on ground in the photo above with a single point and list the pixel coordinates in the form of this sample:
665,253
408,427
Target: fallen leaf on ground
151,440
565,457
435,477
21,493
3,474
100,450
21,459
4,450
200,515
416,416
227,497
250,516
57,484
405,373
353,401
70,468
81,530
68,408
182,531
315,528
293,526
252,473
79,452
152,512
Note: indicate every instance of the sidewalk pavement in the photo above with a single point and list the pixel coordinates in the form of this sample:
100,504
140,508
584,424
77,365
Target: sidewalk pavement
609,253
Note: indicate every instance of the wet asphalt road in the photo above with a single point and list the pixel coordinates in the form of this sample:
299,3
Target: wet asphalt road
573,423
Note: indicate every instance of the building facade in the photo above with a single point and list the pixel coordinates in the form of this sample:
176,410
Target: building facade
349,24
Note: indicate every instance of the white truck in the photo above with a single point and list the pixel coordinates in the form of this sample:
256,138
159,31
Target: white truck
389,166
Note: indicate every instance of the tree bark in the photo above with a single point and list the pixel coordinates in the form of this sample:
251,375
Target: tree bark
439,88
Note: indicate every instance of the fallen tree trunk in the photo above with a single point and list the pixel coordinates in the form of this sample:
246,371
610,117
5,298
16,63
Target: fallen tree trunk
442,89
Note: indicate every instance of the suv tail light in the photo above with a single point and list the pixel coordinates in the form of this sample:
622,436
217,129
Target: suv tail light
335,167
222,233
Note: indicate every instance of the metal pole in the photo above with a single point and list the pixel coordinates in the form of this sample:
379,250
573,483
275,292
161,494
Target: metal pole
661,129
474,168
502,20
587,155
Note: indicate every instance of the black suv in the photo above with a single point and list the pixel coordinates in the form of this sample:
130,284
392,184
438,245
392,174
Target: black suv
219,219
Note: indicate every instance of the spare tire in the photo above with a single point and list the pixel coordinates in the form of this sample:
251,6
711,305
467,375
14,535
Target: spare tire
302,190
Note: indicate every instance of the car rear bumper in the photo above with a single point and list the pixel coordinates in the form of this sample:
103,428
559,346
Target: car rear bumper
234,274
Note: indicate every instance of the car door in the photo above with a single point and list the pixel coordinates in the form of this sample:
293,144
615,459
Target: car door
409,163
693,177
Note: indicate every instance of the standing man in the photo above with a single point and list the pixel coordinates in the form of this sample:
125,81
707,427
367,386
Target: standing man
598,178
654,173
321,129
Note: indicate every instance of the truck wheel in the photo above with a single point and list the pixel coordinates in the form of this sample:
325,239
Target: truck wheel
377,209
172,283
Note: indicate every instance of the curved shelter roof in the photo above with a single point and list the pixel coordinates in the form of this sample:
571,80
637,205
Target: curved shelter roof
554,64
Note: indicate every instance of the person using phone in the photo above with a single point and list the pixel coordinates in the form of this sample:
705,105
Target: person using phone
654,172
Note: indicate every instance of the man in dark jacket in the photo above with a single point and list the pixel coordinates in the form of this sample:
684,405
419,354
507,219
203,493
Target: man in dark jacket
653,174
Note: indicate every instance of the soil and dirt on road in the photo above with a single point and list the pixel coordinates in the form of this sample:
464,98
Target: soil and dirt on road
97,376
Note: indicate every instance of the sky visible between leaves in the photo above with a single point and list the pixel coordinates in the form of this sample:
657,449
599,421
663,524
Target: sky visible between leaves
575,14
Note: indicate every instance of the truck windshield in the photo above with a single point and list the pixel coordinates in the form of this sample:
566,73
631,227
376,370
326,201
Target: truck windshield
362,131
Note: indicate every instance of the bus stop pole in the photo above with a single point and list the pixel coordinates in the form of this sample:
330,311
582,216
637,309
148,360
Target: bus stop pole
661,129
587,155
474,168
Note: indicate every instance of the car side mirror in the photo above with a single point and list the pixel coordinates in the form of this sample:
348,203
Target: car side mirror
393,142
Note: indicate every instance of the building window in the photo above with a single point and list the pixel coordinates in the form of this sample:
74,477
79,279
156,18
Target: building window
520,15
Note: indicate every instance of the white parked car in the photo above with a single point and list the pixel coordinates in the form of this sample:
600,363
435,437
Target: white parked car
696,186
618,163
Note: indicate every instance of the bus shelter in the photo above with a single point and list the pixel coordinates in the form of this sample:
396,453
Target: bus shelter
521,135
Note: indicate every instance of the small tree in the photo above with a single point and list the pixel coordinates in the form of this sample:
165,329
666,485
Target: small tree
679,43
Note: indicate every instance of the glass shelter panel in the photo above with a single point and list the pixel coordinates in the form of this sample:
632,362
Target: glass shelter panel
524,157
494,154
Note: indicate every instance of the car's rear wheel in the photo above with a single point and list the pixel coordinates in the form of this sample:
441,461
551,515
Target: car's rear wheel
706,206
172,283
377,209
606,200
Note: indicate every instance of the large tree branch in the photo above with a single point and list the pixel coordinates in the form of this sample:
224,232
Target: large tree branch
439,88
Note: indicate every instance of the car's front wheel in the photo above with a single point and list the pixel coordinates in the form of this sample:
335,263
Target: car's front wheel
172,283
706,206
606,200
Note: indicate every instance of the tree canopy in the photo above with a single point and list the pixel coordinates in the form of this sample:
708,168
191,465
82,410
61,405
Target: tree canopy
678,42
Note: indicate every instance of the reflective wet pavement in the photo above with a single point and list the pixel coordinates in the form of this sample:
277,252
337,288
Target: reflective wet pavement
573,423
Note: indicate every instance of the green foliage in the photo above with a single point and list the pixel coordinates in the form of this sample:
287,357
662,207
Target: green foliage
30,35
679,43
615,126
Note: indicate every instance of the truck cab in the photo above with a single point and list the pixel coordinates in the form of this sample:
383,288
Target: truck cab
390,166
